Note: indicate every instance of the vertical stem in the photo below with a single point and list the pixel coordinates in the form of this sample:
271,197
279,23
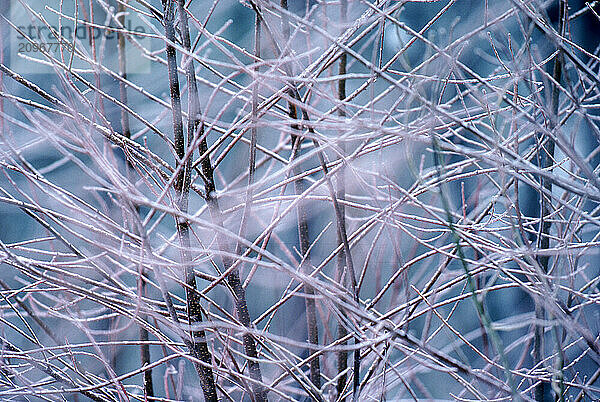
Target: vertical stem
340,222
342,355
303,233
143,333
182,183
304,239
546,201
253,136
123,71
234,279
483,317
195,125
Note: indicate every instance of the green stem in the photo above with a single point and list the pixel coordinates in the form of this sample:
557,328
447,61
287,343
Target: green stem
483,317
